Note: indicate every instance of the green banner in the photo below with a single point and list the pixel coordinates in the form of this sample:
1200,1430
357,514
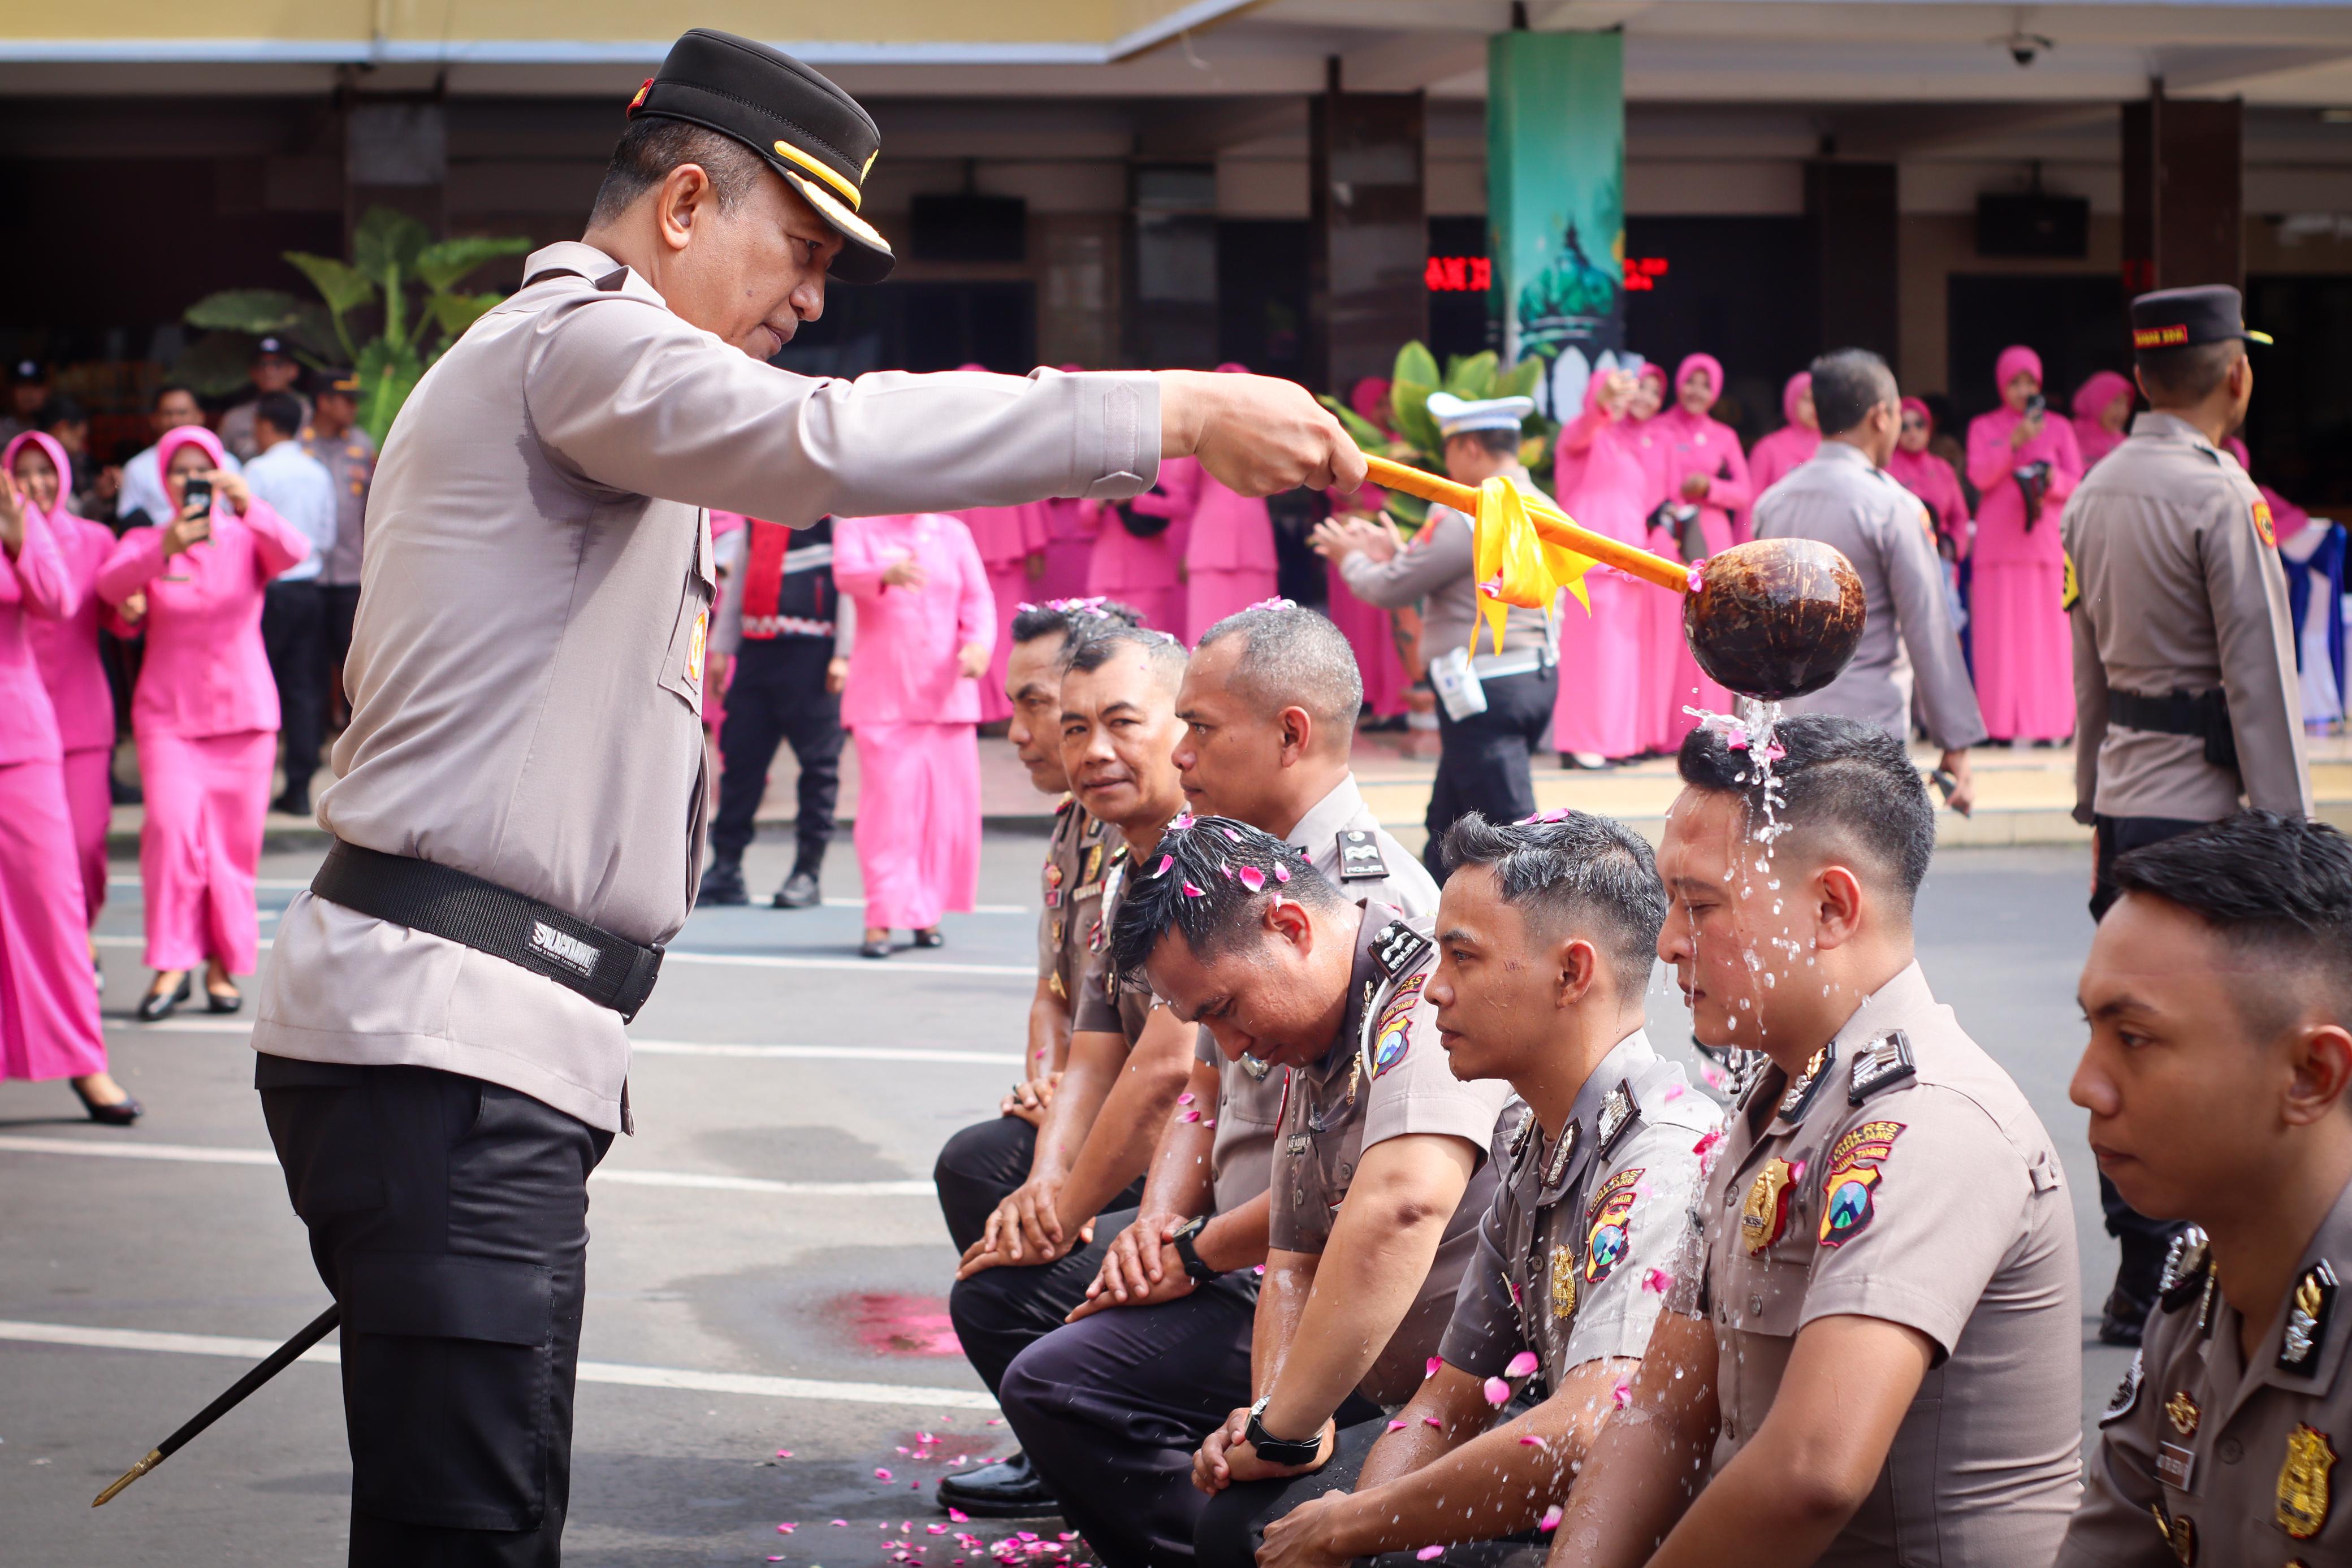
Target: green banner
1556,204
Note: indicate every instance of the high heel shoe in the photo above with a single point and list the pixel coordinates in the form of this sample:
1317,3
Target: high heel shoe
931,936
121,1113
876,949
157,1006
217,1002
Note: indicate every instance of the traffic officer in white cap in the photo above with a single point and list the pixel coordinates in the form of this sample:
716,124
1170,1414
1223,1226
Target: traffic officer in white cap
519,805
1492,707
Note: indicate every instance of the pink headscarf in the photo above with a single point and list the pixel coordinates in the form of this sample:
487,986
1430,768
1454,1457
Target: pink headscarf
1369,399
192,436
1234,368
1707,362
58,460
2015,358
1914,405
1799,385
2094,396
1652,371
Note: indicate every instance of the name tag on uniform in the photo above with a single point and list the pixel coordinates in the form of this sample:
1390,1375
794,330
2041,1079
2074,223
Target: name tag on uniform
2176,1465
1299,1144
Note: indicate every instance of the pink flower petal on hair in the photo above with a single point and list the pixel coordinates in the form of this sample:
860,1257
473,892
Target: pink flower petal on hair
1521,1364
1165,861
1498,1393
1253,879
1233,835
1184,820
1774,752
1192,892
1282,873
1550,1520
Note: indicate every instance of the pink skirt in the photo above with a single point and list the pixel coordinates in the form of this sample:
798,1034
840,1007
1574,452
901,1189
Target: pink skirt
90,797
1600,703
49,1005
1211,596
1011,588
918,831
2025,650
201,844
1372,634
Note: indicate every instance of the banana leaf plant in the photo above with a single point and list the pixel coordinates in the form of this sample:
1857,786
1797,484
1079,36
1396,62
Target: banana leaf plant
388,312
1412,436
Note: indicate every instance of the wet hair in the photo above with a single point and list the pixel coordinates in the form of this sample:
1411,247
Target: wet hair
283,411
155,404
654,145
1847,384
1198,882
1575,873
2180,378
2267,885
1292,657
1071,618
1839,778
1164,654
1501,442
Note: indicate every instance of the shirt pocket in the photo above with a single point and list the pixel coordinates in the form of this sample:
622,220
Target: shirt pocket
689,642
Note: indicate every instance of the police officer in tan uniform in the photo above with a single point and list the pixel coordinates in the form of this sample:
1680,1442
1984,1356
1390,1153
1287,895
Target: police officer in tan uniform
2217,1077
2186,695
1546,936
520,807
1881,1301
334,438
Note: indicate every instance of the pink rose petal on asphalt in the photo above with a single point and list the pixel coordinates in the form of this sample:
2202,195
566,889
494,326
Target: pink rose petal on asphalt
841,1523
783,1530
995,1421
1550,1520
1521,1364
1426,1552
881,1475
1498,1393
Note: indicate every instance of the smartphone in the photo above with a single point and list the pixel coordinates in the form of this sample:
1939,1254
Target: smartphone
2036,406
199,493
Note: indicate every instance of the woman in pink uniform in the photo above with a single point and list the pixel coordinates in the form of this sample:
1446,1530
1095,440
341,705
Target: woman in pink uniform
1142,568
205,716
926,620
1597,718
1700,464
2024,652
1793,443
1069,544
48,1009
1929,477
1012,545
2103,411
1371,630
66,650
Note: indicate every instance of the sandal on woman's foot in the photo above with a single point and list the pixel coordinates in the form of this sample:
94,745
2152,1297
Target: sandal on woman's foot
929,936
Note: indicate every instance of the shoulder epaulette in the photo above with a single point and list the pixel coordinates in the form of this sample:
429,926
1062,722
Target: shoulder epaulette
1398,950
1881,1064
1359,856
1618,1112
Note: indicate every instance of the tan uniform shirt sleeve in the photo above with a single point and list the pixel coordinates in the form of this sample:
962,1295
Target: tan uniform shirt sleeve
1915,580
2089,692
2255,632
1412,575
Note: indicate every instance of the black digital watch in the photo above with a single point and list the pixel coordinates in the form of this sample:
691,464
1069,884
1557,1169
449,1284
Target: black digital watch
1182,1238
1277,1450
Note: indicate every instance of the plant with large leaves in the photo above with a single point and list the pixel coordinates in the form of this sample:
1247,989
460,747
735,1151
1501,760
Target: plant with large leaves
399,281
1473,378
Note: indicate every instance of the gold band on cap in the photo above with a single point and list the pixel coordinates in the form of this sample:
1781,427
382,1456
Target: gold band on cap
848,192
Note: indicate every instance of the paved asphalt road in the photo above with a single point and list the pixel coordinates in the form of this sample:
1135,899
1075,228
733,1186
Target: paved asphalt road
768,1270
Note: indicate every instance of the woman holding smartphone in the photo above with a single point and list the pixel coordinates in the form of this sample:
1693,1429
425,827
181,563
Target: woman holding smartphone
204,715
2024,464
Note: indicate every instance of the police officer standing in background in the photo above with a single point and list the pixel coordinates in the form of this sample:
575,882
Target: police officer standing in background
520,811
348,453
2185,686
1492,707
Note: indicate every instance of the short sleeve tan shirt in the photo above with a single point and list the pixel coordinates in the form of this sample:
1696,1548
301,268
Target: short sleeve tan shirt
1069,917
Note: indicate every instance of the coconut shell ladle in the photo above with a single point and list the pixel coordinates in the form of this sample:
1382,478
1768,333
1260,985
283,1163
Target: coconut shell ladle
1769,619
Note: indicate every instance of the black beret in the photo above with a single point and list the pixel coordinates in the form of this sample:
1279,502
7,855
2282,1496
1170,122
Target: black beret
809,131
2183,318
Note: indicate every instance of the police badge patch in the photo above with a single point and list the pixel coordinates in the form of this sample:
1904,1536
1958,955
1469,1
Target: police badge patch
1563,1282
1766,1213
1608,1225
1850,1190
2304,1482
1393,1036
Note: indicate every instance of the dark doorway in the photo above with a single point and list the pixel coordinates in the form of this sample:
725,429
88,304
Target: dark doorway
1262,294
918,327
1742,290
2300,427
2073,320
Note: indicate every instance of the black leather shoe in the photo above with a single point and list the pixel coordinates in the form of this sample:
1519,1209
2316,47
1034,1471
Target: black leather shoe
1009,1489
291,804
875,950
121,1113
799,892
157,1006
2122,1319
226,1001
723,883
932,937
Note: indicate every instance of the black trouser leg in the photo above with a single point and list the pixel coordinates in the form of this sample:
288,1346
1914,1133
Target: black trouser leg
747,747
1483,760
293,631
1110,1408
448,1217
812,723
1232,1526
2116,836
977,1169
1000,1312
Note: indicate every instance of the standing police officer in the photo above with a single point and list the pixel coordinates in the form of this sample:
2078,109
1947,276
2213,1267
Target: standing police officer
1492,708
520,811
2185,685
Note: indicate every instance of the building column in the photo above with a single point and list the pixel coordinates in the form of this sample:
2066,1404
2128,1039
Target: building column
1850,208
1369,228
2184,205
1556,204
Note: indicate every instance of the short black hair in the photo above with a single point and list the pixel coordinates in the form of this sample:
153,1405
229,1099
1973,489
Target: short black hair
2180,378
1836,777
1501,442
61,410
1293,656
1574,871
1070,617
651,147
166,390
2272,885
1164,653
1847,384
1207,879
283,410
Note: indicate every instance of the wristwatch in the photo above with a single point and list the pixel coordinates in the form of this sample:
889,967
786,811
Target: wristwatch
1182,1238
1277,1450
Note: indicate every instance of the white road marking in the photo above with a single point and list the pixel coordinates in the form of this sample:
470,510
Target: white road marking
291,884
195,1154
996,1058
764,961
819,1388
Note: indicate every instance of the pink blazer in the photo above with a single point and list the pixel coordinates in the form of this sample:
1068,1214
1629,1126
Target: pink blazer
1222,529
34,584
1705,446
2003,538
1610,491
1931,479
206,671
1122,563
902,669
67,647
1005,535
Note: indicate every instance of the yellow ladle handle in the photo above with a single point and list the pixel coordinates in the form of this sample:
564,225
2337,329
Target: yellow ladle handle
1550,522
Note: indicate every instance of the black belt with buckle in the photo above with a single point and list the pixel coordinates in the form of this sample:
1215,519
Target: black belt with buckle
2198,715
442,901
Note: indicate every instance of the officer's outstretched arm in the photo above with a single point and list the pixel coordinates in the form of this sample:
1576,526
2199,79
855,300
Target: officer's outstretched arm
1644,1469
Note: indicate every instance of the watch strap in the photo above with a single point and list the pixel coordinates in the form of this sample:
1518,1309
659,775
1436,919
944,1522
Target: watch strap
1200,1271
1280,1451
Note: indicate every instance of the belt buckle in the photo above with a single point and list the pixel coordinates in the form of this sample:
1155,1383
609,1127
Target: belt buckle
637,988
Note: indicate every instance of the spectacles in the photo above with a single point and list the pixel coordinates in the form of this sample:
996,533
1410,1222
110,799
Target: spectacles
1915,423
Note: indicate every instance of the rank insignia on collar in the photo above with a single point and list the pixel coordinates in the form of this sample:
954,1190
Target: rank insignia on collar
1360,857
1398,948
1850,1190
2307,1319
1061,991
1562,1152
2303,1483
1522,1134
1883,1063
1093,832
2182,1412
1563,1282
1256,1070
1608,1225
1766,1213
1801,1092
1616,1115
2127,1394
2180,1534
2184,1268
